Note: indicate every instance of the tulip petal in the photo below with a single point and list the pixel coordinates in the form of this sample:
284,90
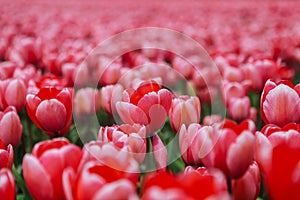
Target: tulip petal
240,154
33,171
51,115
282,106
131,114
124,189
160,152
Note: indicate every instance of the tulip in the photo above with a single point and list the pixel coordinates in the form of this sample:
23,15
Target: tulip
187,138
12,93
7,185
51,81
162,185
247,187
97,181
86,101
280,103
160,153
278,157
109,95
228,146
232,90
48,160
7,69
112,157
51,110
147,105
10,126
132,136
272,128
6,156
212,119
239,108
184,110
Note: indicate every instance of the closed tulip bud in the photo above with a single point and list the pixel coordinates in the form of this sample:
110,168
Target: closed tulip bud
184,110
280,103
160,153
12,93
109,95
239,108
48,160
86,101
10,126
7,185
247,187
6,156
51,110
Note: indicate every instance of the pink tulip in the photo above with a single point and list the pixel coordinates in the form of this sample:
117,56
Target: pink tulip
133,136
48,161
160,153
109,95
232,90
86,101
6,156
10,126
211,119
12,93
184,110
119,159
7,69
187,140
239,108
278,157
7,185
247,187
280,103
97,181
147,105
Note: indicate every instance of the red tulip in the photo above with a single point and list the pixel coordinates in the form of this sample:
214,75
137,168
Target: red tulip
7,185
12,93
280,103
184,110
162,185
229,147
247,187
51,110
132,136
10,126
278,156
48,161
147,105
6,156
272,128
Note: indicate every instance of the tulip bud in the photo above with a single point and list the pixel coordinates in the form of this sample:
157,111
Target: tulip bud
184,110
7,185
10,126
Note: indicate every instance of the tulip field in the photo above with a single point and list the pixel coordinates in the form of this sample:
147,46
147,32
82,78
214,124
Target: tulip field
150,100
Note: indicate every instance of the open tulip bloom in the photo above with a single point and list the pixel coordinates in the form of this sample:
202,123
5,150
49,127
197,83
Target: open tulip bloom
97,102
